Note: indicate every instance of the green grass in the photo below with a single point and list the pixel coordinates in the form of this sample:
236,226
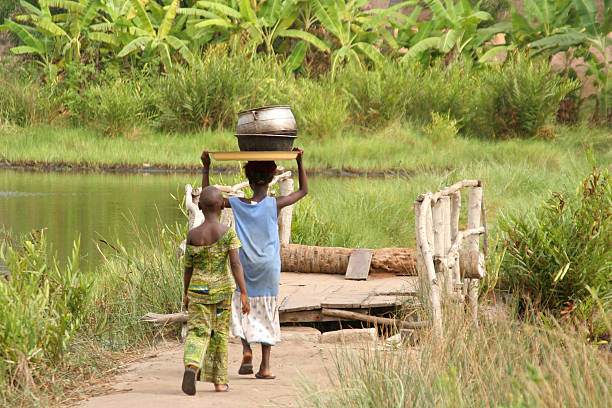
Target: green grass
396,148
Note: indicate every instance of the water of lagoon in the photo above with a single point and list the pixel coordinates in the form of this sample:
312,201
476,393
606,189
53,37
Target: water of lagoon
89,206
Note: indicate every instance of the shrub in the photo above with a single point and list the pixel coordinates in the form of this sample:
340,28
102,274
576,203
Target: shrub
115,108
25,101
210,95
375,96
517,98
441,128
442,89
561,254
320,108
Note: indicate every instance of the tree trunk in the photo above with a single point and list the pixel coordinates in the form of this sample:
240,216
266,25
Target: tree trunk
313,259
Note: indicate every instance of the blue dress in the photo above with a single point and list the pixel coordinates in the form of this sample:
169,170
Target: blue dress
257,228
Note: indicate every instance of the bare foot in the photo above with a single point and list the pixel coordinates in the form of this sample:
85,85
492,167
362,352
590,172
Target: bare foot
247,357
264,375
246,367
221,387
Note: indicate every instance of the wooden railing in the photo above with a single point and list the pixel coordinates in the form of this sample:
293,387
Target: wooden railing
448,259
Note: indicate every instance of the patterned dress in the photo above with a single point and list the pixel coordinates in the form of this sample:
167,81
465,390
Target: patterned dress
210,290
257,228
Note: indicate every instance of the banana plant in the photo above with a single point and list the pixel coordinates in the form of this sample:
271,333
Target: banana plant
454,27
592,36
541,19
356,30
39,34
263,22
154,32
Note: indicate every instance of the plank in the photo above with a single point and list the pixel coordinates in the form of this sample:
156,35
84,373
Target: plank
345,298
307,298
382,301
403,286
359,264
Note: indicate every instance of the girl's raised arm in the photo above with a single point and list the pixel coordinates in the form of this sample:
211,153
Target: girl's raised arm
206,175
289,199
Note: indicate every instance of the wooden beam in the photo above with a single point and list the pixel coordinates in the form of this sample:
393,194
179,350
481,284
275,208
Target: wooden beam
344,314
165,319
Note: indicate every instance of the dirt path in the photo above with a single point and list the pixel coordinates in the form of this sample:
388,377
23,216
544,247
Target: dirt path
156,382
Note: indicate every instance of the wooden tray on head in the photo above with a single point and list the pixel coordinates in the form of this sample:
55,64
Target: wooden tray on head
254,156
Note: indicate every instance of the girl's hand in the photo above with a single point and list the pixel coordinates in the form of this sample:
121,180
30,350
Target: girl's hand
205,159
186,303
244,300
300,154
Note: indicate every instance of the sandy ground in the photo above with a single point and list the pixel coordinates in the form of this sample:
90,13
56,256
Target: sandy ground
156,382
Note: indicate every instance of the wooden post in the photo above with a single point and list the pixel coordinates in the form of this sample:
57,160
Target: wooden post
438,229
454,227
472,243
285,187
446,238
422,271
441,230
424,248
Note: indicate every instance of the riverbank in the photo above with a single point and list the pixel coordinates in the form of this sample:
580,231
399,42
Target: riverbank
399,149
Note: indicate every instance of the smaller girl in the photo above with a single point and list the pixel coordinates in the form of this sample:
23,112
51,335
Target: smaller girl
257,227
208,294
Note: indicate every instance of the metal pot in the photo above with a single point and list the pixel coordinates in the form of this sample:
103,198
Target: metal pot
277,120
263,142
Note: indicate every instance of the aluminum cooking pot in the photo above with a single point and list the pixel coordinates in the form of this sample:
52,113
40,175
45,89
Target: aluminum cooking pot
268,120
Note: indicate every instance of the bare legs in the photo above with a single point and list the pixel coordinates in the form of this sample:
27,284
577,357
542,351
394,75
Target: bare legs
264,367
247,358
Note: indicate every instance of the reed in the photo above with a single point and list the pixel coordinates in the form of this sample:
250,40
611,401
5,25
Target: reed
501,362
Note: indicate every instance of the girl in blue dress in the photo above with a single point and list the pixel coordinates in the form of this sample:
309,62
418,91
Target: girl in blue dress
256,223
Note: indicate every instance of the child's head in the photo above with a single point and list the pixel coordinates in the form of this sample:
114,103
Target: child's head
211,200
259,172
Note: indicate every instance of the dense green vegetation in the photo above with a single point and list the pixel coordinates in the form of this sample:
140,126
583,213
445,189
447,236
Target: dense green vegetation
61,320
559,257
339,64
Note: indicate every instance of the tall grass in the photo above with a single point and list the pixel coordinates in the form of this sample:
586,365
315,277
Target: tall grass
500,363
57,321
133,282
42,307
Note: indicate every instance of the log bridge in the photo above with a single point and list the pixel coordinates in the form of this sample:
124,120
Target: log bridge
321,284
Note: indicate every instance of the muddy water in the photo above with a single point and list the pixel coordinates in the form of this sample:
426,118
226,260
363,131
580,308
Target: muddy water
88,205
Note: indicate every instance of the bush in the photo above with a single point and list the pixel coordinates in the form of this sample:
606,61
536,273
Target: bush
320,108
115,108
560,255
441,128
209,95
42,305
517,99
375,97
25,101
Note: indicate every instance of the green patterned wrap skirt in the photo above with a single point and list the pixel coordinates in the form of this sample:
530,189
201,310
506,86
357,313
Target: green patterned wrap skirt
206,343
